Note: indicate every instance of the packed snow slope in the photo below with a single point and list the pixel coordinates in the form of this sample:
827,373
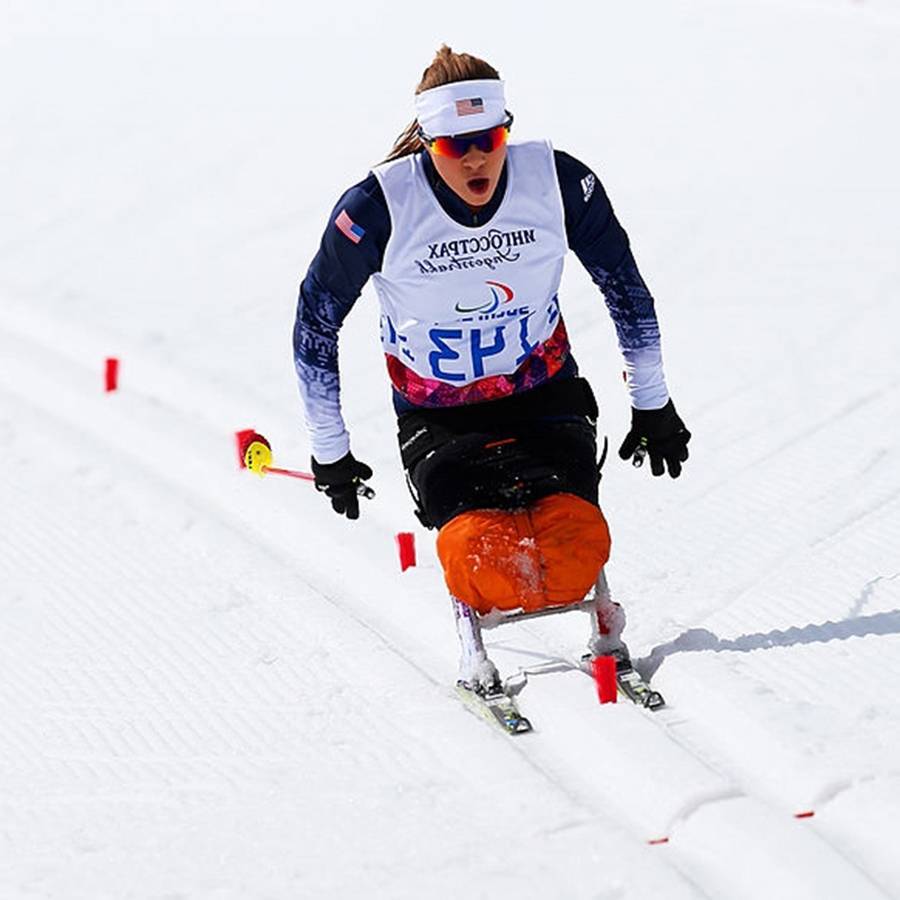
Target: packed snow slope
213,688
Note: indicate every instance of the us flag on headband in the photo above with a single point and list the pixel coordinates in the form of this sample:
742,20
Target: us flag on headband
349,228
469,107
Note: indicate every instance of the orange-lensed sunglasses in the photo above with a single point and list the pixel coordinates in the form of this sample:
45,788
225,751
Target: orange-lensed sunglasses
457,146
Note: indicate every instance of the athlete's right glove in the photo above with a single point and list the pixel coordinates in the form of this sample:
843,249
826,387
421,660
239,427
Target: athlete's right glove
659,434
342,481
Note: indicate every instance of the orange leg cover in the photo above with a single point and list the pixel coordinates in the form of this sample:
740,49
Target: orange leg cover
546,555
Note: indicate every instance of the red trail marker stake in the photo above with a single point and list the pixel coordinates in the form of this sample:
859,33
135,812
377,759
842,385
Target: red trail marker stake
604,671
112,374
406,546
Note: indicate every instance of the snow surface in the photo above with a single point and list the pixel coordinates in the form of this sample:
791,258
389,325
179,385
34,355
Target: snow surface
211,687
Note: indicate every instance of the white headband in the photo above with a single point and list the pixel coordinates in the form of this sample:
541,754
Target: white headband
461,107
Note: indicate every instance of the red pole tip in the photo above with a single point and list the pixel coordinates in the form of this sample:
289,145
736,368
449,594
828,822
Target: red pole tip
808,814
406,546
604,670
112,373
656,841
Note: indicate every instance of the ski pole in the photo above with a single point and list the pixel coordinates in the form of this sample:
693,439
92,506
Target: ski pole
255,454
291,473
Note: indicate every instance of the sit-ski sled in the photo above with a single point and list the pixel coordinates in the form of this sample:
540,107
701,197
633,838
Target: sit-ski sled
482,689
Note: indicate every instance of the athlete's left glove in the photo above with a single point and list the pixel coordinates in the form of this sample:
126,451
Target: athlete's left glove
342,481
659,434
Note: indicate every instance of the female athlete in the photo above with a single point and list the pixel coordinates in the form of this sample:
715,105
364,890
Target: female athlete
464,235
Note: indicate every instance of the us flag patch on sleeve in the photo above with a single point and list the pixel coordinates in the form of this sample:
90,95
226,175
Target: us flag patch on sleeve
347,227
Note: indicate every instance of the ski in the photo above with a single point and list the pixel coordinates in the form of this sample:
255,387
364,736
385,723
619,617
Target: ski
496,707
635,689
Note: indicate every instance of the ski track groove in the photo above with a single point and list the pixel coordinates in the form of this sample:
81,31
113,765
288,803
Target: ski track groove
742,783
877,511
788,762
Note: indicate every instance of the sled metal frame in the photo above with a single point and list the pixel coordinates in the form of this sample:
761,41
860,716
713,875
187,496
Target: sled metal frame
589,605
470,624
490,621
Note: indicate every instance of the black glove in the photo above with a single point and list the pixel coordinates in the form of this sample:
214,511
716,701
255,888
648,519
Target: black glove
659,434
342,482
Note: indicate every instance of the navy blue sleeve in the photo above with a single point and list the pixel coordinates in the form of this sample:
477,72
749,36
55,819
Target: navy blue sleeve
352,248
601,244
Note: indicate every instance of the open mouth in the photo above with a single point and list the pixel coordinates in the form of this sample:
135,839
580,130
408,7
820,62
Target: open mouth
478,185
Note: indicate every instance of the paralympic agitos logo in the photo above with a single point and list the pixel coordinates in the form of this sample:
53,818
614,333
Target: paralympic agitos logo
500,293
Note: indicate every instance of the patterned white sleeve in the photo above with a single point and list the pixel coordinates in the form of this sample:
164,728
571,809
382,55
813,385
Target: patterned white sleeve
601,244
319,317
328,434
645,378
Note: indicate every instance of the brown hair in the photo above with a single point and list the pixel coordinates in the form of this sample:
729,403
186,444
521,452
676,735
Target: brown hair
446,68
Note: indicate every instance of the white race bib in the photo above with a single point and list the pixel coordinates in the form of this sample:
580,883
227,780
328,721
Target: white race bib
463,303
